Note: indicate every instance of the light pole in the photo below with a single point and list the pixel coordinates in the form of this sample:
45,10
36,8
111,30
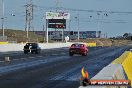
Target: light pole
78,34
3,18
69,29
47,30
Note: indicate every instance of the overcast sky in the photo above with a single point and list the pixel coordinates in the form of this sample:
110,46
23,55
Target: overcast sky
114,24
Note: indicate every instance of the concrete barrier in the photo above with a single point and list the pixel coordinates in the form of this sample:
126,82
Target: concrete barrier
120,68
110,72
127,65
91,44
3,43
121,59
19,47
126,61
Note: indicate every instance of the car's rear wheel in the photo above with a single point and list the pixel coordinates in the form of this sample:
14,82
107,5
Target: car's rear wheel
85,53
32,52
25,52
71,54
36,52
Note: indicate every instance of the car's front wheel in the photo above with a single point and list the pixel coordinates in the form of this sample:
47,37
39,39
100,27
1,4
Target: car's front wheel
37,51
71,54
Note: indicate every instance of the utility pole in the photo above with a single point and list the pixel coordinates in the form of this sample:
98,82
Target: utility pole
69,29
29,17
3,19
43,32
57,4
78,28
47,34
78,34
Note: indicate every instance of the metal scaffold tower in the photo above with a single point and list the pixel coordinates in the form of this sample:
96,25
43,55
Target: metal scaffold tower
29,17
57,5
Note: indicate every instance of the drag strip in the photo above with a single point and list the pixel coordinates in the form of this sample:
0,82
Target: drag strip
75,72
40,60
9,68
59,71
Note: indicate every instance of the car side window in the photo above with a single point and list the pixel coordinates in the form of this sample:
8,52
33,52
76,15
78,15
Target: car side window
73,45
82,45
26,44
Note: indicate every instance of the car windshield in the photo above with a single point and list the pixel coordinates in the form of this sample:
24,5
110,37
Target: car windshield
31,44
77,45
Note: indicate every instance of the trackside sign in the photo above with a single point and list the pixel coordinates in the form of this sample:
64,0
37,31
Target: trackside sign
57,15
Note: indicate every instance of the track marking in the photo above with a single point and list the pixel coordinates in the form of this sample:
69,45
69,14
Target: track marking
31,57
73,75
15,59
10,68
23,58
54,54
2,61
39,56
63,53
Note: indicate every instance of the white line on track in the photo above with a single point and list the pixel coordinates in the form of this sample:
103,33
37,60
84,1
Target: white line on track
2,61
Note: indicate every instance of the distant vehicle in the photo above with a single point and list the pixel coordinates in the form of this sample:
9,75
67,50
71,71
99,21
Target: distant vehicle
32,47
78,49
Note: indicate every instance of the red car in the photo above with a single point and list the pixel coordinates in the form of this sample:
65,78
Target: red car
78,49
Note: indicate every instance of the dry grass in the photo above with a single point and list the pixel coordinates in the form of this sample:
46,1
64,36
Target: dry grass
107,42
20,36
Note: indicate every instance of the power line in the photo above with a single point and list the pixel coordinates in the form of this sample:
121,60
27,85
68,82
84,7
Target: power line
83,10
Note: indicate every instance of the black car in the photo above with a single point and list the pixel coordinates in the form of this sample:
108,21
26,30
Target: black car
32,47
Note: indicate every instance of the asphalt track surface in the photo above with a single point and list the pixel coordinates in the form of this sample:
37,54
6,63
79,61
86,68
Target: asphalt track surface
53,68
